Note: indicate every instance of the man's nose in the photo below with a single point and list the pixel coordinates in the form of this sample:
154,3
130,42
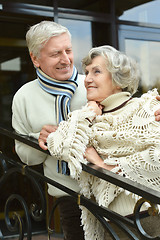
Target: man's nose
65,58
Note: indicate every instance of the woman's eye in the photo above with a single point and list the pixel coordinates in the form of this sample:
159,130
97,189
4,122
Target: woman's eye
97,71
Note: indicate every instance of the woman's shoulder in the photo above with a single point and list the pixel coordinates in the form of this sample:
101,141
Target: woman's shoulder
148,100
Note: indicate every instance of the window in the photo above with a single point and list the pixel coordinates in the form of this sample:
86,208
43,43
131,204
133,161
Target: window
143,44
147,13
81,38
11,65
148,57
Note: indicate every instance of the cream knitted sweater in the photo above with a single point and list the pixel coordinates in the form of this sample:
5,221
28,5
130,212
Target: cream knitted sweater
128,138
32,109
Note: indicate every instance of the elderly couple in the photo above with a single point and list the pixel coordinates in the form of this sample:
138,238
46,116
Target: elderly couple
110,128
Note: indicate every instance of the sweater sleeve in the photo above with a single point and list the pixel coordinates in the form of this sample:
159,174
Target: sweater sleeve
21,125
71,138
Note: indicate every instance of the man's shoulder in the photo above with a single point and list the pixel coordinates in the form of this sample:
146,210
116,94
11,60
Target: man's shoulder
26,91
81,77
80,81
27,87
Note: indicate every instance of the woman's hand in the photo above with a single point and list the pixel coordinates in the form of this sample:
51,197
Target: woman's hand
46,130
97,107
93,157
157,113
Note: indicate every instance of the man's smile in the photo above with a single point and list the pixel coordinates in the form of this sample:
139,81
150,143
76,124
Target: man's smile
65,68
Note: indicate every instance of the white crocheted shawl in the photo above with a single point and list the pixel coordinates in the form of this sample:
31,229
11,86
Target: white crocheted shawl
128,138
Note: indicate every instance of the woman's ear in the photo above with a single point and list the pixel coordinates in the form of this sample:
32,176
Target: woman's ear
34,60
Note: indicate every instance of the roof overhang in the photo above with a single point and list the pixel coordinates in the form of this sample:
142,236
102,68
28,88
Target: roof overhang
123,5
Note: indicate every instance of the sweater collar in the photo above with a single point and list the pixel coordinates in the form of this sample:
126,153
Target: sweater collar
115,100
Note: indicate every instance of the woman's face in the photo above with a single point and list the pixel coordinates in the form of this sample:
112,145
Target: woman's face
98,81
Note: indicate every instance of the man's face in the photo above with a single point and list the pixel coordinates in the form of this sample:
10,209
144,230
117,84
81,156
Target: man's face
56,57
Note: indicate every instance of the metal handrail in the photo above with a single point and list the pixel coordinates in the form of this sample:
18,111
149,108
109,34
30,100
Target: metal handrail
100,212
104,174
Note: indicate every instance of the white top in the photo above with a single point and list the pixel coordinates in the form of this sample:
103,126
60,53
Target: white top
128,138
32,109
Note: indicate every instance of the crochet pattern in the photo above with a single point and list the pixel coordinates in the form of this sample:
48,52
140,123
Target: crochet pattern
128,138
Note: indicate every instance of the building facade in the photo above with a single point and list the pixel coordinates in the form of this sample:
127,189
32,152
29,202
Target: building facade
130,26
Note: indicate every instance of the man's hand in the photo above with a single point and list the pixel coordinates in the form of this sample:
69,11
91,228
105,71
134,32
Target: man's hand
157,113
46,130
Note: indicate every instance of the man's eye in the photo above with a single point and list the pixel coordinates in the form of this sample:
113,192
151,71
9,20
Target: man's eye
54,54
69,51
97,71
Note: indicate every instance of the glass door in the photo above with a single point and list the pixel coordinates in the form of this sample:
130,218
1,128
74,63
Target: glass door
143,44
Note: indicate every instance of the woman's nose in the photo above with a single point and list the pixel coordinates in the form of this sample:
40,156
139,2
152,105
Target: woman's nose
88,78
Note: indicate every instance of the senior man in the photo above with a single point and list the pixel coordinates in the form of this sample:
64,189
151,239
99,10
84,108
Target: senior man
47,100
41,104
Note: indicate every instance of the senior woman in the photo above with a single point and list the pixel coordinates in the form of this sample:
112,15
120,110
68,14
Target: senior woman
114,131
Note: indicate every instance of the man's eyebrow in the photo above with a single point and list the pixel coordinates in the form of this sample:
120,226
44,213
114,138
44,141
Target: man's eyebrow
54,51
60,50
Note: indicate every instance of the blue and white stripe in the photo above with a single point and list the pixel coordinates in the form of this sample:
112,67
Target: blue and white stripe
64,90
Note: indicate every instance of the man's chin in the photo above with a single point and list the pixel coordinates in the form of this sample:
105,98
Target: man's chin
64,77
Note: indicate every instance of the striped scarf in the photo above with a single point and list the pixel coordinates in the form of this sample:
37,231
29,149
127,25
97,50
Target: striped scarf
63,90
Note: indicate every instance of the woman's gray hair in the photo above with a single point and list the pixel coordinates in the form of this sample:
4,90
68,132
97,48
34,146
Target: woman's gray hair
124,70
40,33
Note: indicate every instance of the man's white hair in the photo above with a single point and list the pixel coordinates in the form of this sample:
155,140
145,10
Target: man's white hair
40,33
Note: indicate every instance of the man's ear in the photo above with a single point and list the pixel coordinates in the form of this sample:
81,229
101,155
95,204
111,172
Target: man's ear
34,60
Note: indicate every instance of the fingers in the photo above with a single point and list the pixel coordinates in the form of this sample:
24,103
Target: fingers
46,130
42,145
157,115
157,118
157,112
96,107
158,97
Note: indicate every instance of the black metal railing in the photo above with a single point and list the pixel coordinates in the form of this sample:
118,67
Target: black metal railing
37,211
